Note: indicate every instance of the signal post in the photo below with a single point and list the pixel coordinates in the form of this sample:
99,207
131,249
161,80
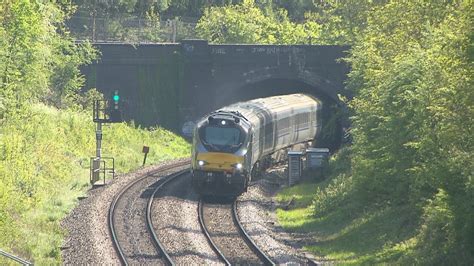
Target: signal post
104,111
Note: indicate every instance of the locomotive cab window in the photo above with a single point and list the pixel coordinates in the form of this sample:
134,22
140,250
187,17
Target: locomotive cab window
222,136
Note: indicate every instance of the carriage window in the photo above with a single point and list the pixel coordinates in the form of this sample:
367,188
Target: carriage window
284,123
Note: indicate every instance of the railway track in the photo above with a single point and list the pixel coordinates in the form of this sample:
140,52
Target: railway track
129,218
156,241
220,223
132,214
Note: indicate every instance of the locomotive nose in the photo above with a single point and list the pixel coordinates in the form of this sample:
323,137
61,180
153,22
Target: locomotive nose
216,161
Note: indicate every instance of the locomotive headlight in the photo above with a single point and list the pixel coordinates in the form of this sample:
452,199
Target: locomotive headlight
223,122
201,163
238,166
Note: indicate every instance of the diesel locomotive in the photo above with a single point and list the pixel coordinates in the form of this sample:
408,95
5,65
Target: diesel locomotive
229,143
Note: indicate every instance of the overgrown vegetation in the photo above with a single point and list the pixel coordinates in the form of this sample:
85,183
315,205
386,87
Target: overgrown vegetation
46,132
407,195
247,23
186,8
276,21
45,167
414,119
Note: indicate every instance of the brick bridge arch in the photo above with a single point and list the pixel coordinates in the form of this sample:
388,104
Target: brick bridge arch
168,84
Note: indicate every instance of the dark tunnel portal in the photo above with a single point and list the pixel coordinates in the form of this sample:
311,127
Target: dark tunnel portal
268,88
331,136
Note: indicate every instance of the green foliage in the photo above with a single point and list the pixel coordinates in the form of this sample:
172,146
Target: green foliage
301,195
404,191
44,152
342,21
437,236
66,79
21,60
186,8
247,23
338,189
37,58
289,22
182,8
341,229
413,120
296,8
44,166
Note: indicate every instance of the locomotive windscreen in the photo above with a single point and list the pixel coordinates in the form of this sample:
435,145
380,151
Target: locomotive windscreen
222,136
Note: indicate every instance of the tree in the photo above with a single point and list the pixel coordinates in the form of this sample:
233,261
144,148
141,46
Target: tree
413,119
247,23
342,21
22,45
296,8
37,58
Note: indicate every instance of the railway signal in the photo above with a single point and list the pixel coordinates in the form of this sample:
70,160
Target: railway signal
115,114
104,111
116,97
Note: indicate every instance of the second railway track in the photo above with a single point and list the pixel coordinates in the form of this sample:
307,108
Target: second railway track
220,223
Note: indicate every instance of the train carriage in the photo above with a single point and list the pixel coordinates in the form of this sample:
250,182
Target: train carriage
230,142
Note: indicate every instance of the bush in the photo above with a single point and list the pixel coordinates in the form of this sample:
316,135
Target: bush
44,166
338,191
437,237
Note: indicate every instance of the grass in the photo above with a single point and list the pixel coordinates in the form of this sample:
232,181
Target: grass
348,233
44,165
345,224
302,194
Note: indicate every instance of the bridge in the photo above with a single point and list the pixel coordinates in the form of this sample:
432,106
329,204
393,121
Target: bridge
168,84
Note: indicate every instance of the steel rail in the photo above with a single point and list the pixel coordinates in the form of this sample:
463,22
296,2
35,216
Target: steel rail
265,259
206,232
156,241
117,197
15,258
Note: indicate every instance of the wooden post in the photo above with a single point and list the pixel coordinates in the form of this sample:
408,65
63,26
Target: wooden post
145,150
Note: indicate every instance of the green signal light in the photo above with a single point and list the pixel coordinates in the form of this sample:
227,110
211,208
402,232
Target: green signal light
116,98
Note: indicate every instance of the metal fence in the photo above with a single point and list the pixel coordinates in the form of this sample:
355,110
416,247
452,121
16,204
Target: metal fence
14,258
130,29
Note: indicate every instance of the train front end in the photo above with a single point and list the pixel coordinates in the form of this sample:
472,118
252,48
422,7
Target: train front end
220,159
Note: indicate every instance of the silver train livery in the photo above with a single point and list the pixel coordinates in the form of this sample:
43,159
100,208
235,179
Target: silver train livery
232,141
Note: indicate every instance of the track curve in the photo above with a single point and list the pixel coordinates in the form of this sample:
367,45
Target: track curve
231,242
208,237
265,259
157,242
140,185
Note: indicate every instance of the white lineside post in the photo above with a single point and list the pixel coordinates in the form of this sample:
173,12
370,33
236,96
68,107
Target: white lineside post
98,153
174,28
